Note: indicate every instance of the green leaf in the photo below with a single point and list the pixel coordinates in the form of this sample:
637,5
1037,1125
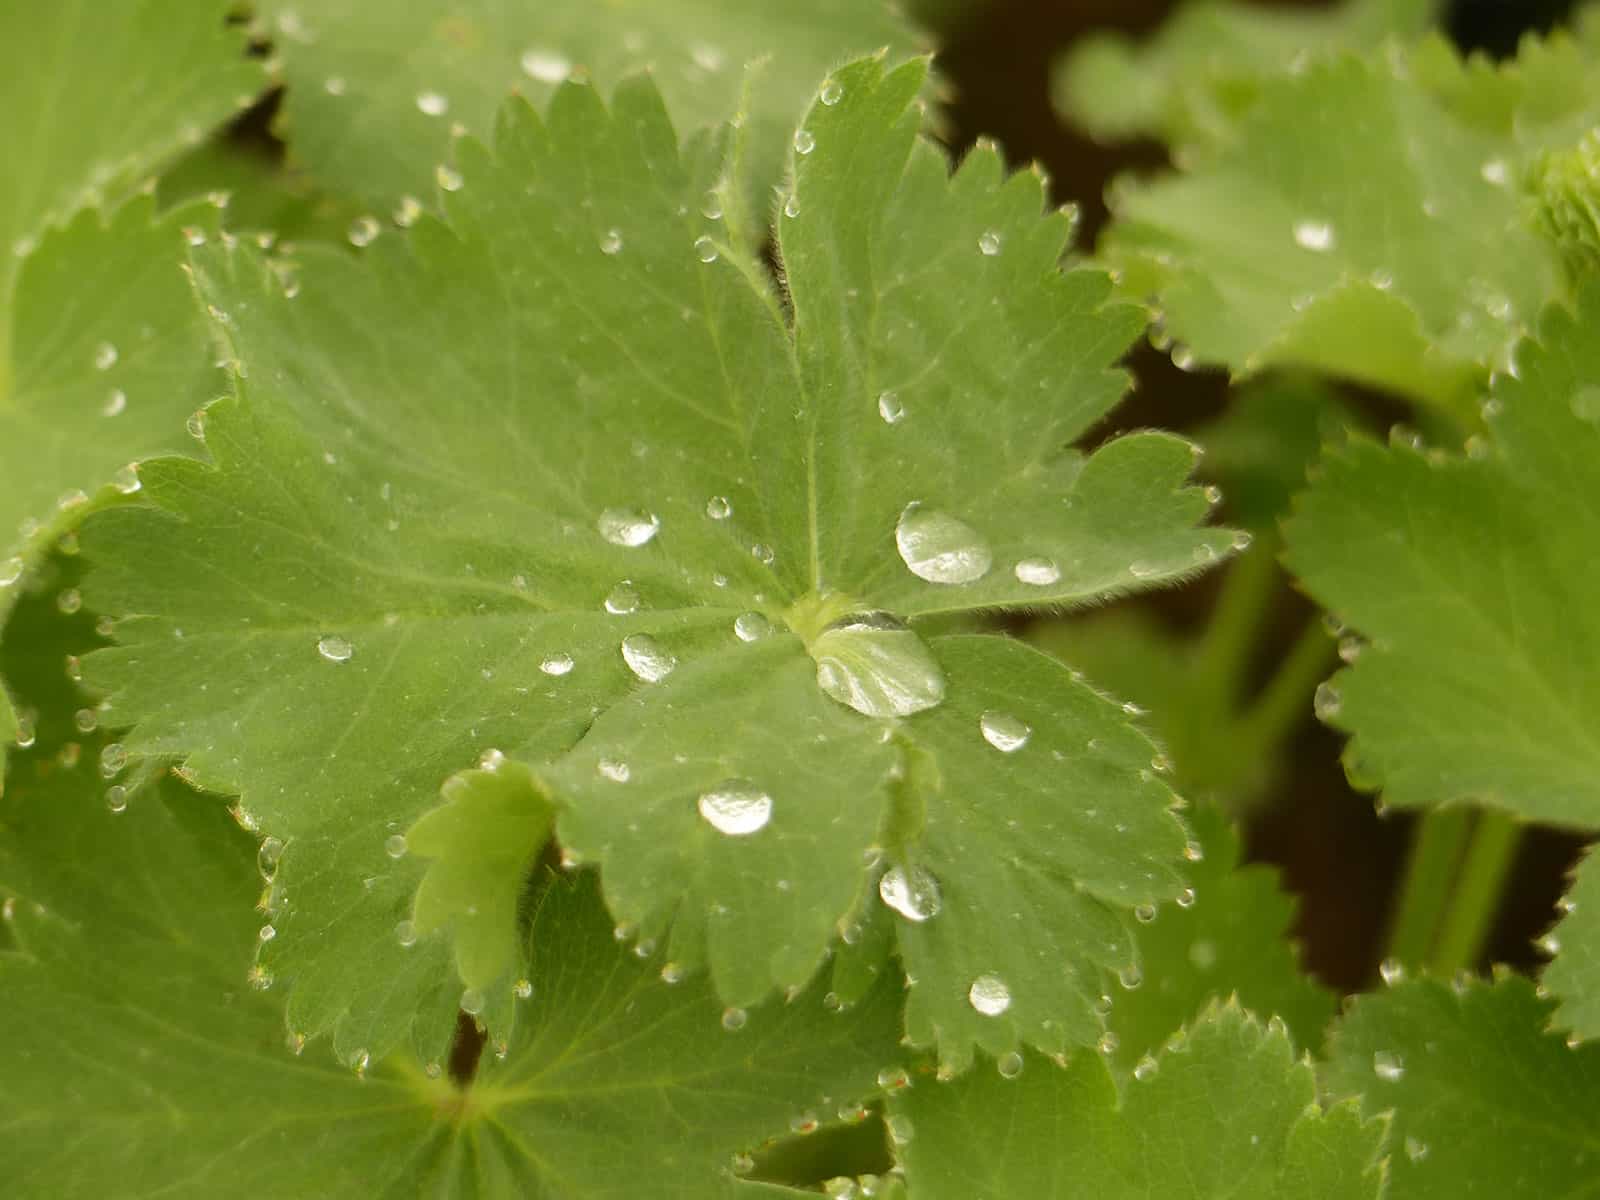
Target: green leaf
1484,1102
1264,254
1226,1112
131,1031
1471,579
482,484
376,96
1191,82
1228,937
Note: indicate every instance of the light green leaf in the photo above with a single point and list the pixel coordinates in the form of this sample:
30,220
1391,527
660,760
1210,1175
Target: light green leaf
1191,82
1573,975
377,95
1226,1112
1264,254
1228,937
1472,578
1484,1102
478,486
612,1084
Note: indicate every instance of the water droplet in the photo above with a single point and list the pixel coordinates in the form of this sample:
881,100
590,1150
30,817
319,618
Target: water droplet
611,242
1186,898
405,932
1495,172
615,770
1004,732
266,933
940,549
113,757
1147,1066
363,231
719,508
334,85
1550,944
1392,971
832,92
891,408
804,142
522,989
623,599
395,845
875,665
1130,977
762,553
557,664
335,649
69,601
432,104
736,807
448,178
472,1002
259,977
791,206
989,995
914,894
1108,1043
268,855
989,243
1009,1065
628,526
705,249
751,627
85,719
900,1128
734,1019
1145,913
1038,572
126,480
117,798
117,403
546,66
1327,701
105,356
1388,1067
647,658
10,571
359,1060
1314,235
1416,1151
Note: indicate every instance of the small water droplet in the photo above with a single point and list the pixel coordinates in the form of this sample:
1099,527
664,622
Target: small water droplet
989,995
1130,976
113,758
940,549
266,933
546,66
791,206
647,658
734,1019
1009,1065
671,973
268,854
615,770
1147,1066
1186,898
1108,1043
432,104
557,664
832,92
86,720
1145,913
1004,732
117,798
1327,701
405,932
10,571
448,178
719,508
705,249
126,480
736,807
335,649
1416,1151
1317,236
804,141
622,599
989,243
611,242
395,845
359,1059
763,554
751,627
117,403
1495,172
891,408
1038,572
334,85
105,356
472,1002
69,601
1388,1067
522,989
914,894
628,526
363,231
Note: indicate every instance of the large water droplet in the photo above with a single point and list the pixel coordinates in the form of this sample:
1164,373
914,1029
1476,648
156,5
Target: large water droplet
647,658
335,649
1004,732
914,894
989,995
628,526
874,664
622,599
736,807
937,547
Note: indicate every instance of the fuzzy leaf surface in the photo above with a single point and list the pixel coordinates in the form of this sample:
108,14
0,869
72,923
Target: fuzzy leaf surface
612,1084
376,95
1263,254
1191,81
484,484
1229,1113
1484,1101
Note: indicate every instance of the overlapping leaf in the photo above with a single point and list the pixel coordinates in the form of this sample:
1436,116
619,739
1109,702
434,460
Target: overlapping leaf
1271,252
1205,67
377,94
1225,1112
1484,1102
480,486
139,1062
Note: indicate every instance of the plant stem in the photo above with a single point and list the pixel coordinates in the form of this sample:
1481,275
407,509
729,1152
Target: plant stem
1230,635
1470,917
1286,699
1437,844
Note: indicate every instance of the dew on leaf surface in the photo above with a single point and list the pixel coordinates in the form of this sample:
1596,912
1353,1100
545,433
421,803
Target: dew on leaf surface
736,807
1038,572
1388,1067
335,649
113,757
105,356
751,627
363,231
940,549
804,141
267,856
395,845
734,1019
832,92
647,658
472,1002
557,664
405,932
545,66
719,508
628,526
705,249
1005,732
615,770
876,665
622,599
914,893
1327,701
10,571
1312,235
1146,1067
1009,1064
891,408
116,404
116,798
989,243
448,178
611,242
989,995
522,989
432,104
